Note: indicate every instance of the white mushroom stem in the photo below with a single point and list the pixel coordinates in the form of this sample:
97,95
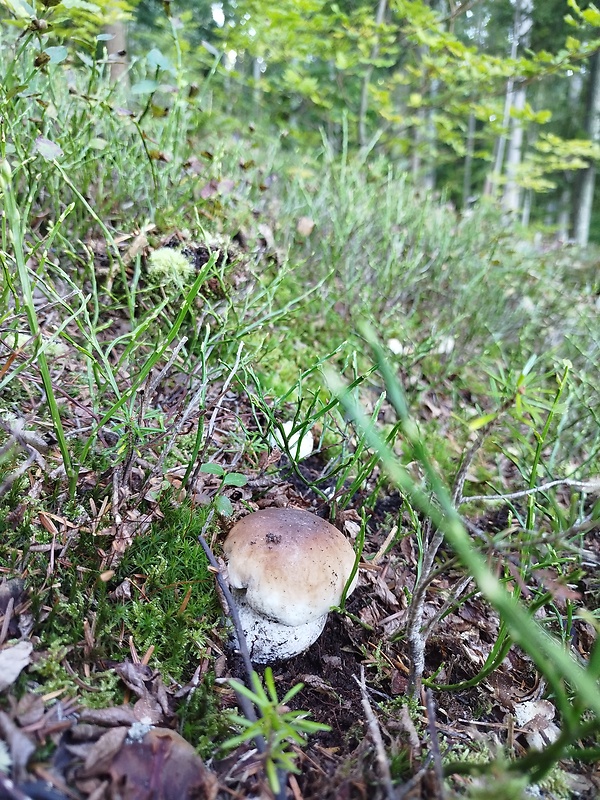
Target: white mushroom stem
270,641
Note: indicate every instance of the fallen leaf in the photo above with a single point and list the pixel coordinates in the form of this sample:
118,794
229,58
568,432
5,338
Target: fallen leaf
13,661
160,764
30,709
108,717
20,746
537,716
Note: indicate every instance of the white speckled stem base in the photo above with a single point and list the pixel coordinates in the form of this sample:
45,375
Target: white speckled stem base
270,641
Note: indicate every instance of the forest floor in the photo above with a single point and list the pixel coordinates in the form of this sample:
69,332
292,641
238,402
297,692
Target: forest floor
71,566
143,399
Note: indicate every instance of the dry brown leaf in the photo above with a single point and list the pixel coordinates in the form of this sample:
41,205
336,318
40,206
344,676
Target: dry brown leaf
30,709
160,766
108,717
102,752
149,688
13,661
20,746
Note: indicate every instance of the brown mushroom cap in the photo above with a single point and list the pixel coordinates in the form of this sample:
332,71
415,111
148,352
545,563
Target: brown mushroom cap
292,564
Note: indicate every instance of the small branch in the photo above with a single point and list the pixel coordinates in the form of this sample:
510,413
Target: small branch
243,702
233,613
435,744
375,733
415,636
6,620
153,384
584,486
213,417
459,588
407,788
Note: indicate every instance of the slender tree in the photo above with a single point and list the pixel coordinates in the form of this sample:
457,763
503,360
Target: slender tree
585,194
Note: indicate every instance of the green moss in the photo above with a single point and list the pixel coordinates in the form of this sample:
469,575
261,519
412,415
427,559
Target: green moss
169,267
202,721
173,605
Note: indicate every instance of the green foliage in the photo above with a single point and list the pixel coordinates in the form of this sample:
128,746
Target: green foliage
279,728
415,79
77,22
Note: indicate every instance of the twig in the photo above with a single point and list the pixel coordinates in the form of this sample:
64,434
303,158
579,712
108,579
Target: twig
584,486
116,499
455,593
415,636
407,788
7,618
213,417
435,744
243,702
383,549
153,384
375,733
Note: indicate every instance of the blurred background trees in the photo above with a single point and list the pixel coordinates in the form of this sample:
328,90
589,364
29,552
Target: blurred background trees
496,99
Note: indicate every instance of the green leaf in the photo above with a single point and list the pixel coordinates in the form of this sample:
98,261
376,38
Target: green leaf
480,422
57,54
223,505
235,479
155,59
47,148
144,87
98,143
213,469
20,9
82,5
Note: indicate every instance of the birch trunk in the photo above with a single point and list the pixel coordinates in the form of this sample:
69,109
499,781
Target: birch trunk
585,195
117,50
364,94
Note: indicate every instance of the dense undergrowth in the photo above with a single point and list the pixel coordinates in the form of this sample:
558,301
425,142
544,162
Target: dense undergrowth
117,386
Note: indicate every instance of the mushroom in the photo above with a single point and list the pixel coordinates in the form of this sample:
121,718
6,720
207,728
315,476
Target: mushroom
286,568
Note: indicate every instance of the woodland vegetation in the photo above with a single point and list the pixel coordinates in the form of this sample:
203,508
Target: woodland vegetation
340,257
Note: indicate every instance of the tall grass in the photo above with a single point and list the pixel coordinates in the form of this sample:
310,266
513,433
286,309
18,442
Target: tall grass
491,347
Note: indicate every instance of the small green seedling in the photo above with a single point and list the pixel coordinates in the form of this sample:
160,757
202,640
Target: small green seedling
221,501
279,728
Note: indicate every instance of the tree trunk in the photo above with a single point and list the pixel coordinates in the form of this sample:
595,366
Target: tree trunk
117,49
364,94
515,98
585,195
564,207
512,191
468,174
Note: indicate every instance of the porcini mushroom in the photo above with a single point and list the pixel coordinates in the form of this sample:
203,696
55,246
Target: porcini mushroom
286,569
